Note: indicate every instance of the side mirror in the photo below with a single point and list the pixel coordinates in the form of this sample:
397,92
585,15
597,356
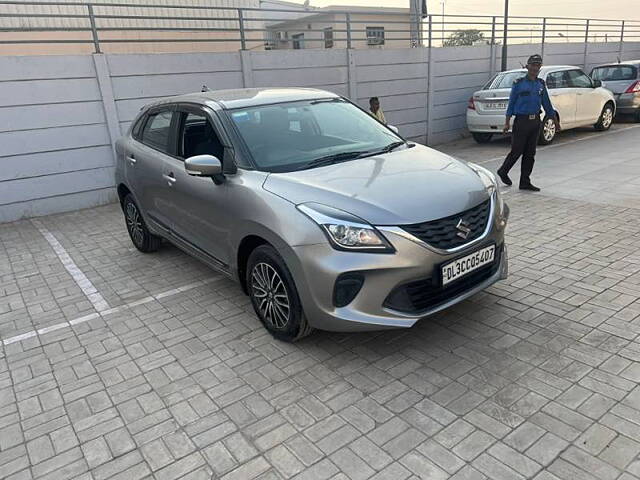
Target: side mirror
203,166
393,128
597,83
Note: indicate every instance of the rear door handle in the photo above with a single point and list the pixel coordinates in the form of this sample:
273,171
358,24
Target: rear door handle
170,178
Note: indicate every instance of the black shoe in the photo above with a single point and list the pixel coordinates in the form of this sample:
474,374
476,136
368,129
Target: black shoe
529,187
504,177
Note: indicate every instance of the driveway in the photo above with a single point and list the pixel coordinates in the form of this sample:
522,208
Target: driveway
116,364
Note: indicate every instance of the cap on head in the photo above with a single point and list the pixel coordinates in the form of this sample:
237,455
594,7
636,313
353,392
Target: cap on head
535,60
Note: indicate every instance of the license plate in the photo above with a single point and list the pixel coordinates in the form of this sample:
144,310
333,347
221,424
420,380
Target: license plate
465,265
496,106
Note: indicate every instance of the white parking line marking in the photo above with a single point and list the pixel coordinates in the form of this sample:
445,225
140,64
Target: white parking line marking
21,337
104,313
52,328
99,303
568,142
86,318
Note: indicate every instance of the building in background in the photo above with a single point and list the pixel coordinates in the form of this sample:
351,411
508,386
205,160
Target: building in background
139,26
324,28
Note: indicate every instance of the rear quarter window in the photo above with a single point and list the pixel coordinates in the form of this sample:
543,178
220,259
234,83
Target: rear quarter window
137,127
503,80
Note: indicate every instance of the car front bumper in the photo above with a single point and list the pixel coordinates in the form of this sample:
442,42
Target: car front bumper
316,268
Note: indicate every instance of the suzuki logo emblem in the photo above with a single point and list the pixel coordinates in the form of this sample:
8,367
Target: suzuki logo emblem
463,229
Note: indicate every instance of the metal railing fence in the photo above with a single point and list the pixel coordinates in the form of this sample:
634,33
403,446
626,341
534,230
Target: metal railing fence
102,24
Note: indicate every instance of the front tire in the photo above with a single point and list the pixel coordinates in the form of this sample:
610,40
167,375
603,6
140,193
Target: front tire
140,235
482,137
606,118
548,131
274,295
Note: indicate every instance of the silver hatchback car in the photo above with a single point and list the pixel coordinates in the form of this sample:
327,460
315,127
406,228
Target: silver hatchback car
623,79
326,217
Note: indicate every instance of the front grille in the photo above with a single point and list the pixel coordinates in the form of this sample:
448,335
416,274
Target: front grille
443,234
427,293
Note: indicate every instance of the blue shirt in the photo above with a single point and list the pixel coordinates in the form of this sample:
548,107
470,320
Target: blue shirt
527,96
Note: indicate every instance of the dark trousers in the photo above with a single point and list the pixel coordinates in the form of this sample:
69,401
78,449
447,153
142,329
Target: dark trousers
524,140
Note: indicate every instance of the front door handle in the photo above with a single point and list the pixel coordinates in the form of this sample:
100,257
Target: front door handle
170,178
131,159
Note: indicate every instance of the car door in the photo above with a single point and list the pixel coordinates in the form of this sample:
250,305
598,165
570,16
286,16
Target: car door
200,213
152,145
563,97
589,102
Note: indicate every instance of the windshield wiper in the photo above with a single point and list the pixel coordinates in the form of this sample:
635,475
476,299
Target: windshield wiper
331,159
388,148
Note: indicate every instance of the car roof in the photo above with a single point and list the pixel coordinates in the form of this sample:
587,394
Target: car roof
249,97
546,68
615,64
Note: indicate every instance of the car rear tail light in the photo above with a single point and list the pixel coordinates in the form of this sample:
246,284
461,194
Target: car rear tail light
634,87
471,105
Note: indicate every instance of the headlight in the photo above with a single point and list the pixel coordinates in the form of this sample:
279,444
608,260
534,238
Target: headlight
346,231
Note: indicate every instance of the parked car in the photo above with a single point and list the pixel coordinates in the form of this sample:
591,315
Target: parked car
326,217
579,100
623,79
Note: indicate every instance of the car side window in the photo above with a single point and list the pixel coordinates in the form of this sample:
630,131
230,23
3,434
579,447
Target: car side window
557,80
198,137
579,79
157,131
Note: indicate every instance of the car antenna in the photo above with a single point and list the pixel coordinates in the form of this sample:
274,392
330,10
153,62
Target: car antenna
204,88
618,59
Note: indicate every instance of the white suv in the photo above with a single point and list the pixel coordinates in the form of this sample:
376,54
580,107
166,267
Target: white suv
579,100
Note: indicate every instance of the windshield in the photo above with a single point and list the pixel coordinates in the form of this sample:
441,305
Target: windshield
503,80
613,73
289,136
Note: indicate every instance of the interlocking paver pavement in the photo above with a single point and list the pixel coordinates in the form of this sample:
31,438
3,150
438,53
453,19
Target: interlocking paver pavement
536,378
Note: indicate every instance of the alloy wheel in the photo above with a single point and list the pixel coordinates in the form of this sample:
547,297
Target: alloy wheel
134,224
607,117
549,130
270,295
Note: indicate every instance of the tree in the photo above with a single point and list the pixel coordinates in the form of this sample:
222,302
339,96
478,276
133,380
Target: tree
461,38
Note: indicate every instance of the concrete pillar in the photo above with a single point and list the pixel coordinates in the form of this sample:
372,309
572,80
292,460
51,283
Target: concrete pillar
353,75
430,95
247,69
103,75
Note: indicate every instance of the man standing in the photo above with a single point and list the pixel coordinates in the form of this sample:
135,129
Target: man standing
376,111
528,94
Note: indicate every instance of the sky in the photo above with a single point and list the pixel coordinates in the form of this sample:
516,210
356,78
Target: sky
610,9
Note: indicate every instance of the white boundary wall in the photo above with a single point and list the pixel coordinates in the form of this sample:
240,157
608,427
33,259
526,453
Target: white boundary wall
59,115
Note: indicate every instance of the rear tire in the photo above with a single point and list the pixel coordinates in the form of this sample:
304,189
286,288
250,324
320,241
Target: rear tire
140,235
274,295
606,118
482,137
548,131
